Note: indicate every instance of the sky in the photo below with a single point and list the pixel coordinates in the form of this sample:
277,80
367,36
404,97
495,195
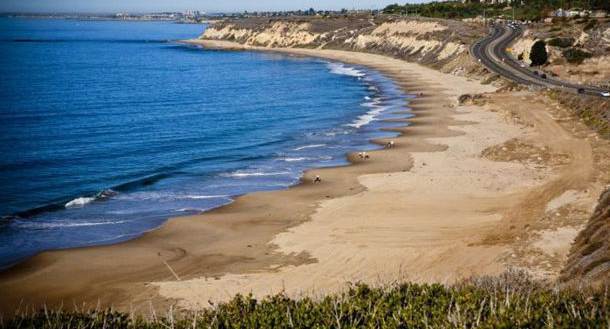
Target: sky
112,6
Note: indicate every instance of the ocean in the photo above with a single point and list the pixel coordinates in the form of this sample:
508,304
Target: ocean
109,128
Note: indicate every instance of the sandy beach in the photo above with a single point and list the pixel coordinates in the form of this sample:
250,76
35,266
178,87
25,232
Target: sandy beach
469,189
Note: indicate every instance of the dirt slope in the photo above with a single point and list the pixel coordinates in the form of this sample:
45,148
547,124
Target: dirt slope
589,261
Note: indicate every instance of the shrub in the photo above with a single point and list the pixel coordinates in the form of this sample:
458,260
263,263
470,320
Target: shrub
538,54
591,24
561,42
508,301
575,55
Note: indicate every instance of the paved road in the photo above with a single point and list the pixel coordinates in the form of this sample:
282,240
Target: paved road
491,52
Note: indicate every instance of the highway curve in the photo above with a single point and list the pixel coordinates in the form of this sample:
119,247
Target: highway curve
491,52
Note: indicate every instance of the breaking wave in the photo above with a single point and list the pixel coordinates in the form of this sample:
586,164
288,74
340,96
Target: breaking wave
342,69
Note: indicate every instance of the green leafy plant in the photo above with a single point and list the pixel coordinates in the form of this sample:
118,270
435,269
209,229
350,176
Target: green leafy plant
575,55
512,300
561,42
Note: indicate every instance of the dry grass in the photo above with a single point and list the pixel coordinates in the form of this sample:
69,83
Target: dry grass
512,300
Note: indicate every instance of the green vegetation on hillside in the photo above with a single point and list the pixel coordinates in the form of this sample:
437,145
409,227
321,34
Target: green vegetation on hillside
538,54
561,42
510,301
448,9
523,10
575,55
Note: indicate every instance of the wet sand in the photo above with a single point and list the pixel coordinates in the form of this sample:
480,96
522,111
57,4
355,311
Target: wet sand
430,209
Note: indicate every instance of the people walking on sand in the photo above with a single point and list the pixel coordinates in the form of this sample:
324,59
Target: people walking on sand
389,144
363,155
317,179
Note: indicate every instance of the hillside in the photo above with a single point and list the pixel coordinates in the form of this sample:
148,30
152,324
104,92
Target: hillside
579,49
442,44
589,261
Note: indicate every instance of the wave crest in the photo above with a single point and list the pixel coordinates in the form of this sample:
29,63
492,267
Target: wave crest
309,147
243,174
341,69
79,202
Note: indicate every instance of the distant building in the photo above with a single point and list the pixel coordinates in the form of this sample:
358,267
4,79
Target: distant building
570,12
192,13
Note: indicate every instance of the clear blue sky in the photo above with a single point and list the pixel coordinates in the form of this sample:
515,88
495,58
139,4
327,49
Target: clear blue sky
110,6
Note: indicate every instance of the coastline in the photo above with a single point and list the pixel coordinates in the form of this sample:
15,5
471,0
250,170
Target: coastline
262,239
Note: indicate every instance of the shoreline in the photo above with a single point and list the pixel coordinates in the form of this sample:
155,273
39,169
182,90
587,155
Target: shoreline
28,290
364,139
431,220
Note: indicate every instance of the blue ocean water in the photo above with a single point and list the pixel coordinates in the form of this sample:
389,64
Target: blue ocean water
109,128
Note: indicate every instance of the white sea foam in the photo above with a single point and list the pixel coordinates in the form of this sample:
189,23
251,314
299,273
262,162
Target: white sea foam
339,68
309,147
79,202
242,174
296,159
190,210
374,103
366,118
62,224
165,196
200,197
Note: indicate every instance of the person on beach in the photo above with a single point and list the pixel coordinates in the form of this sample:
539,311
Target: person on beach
390,144
363,155
317,179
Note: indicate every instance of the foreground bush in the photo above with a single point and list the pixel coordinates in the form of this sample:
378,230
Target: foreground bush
511,301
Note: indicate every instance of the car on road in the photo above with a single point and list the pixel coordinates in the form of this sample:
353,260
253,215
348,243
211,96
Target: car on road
605,93
581,90
543,75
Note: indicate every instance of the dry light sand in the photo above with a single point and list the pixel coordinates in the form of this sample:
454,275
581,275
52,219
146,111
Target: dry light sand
468,190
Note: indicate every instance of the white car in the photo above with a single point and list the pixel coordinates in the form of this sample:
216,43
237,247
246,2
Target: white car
605,93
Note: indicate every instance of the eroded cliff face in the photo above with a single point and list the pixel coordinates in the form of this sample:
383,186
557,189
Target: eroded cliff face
589,260
277,34
438,43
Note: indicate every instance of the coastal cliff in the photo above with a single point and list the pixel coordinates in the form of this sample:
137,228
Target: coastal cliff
590,255
441,44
